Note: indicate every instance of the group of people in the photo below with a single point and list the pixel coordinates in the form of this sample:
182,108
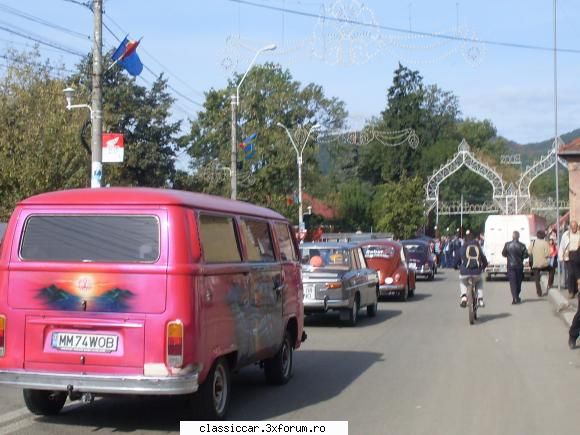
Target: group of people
543,257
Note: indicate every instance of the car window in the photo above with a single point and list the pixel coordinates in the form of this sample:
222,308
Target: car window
361,258
258,240
91,238
287,247
331,258
416,248
218,239
378,251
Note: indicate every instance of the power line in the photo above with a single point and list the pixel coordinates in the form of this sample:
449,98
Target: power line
30,17
36,38
407,31
30,45
13,59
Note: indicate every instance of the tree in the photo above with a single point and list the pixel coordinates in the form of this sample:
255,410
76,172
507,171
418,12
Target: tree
355,200
269,95
399,208
39,138
143,117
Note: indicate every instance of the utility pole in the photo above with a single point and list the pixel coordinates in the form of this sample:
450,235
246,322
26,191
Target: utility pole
97,96
234,151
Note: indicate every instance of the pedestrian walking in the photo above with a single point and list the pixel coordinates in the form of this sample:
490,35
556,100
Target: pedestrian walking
571,255
539,252
515,252
552,262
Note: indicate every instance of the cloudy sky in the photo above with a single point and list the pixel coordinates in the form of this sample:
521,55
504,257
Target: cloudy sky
200,43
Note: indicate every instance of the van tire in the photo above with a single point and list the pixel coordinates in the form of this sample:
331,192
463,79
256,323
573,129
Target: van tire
278,369
41,402
211,401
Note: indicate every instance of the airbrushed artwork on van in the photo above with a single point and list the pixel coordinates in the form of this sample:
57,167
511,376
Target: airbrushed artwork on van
113,300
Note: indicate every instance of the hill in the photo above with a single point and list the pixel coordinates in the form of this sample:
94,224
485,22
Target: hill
532,151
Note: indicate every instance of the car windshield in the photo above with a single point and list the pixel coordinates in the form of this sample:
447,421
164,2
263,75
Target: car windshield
331,258
379,251
416,248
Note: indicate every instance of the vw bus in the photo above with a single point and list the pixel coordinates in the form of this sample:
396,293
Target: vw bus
142,291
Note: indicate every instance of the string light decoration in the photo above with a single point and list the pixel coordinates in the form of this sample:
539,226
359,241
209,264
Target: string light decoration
215,172
510,159
394,138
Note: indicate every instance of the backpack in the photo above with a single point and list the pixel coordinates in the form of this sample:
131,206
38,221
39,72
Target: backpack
472,258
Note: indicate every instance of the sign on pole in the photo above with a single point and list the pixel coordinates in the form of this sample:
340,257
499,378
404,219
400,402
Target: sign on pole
113,148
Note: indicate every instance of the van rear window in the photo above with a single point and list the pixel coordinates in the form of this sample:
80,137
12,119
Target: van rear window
106,238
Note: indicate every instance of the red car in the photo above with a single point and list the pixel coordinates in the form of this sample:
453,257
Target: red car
389,258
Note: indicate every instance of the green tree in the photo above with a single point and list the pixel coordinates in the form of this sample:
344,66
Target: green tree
143,116
355,202
268,95
39,138
398,207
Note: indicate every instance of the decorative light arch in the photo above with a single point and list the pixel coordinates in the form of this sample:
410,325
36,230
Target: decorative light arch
464,157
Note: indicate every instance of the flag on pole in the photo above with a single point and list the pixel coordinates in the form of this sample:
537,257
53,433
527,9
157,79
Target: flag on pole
126,55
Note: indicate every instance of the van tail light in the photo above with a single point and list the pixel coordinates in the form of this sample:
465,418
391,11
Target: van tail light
2,334
337,284
175,344
397,277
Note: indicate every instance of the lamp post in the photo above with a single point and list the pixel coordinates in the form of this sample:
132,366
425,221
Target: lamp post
235,102
299,162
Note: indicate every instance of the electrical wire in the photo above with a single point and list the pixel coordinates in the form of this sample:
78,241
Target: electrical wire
37,20
36,38
407,31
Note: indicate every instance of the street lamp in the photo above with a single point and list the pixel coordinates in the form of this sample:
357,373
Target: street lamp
299,161
235,103
69,95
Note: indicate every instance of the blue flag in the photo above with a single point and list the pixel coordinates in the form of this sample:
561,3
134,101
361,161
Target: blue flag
126,55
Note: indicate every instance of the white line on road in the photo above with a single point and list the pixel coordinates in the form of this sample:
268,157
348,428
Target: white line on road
16,426
13,415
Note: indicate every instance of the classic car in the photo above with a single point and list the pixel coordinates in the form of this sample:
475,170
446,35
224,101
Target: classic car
389,259
336,277
420,258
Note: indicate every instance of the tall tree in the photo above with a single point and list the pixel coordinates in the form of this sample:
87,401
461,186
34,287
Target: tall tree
268,95
39,138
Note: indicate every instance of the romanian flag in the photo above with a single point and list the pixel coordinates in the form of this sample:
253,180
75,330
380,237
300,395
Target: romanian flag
126,55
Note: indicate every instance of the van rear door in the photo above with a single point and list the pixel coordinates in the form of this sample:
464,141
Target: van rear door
85,282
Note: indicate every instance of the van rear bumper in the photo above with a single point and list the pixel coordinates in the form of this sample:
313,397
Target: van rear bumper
104,384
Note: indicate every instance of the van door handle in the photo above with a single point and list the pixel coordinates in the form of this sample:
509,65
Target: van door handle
278,289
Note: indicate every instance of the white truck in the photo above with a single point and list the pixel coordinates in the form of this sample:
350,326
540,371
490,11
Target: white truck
498,231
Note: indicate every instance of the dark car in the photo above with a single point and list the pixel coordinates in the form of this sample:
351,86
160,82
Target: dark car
336,277
421,258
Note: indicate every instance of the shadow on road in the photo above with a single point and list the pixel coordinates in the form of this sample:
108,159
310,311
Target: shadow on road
318,376
332,318
416,298
482,318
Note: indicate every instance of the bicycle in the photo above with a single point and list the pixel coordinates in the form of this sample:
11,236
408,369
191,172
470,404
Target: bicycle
472,302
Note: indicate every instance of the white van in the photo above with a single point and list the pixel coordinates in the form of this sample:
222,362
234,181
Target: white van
498,231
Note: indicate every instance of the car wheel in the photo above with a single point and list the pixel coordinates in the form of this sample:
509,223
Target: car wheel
212,400
278,369
405,293
431,277
42,402
373,308
411,290
353,313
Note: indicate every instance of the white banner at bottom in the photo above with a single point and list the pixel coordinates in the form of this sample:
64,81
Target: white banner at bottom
264,427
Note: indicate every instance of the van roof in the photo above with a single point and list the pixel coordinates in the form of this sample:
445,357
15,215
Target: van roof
148,196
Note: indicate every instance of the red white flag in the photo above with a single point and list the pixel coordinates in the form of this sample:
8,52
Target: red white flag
113,148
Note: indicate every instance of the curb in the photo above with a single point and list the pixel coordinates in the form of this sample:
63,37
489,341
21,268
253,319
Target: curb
561,305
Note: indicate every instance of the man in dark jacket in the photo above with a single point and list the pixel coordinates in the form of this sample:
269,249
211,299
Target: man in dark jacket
515,252
473,263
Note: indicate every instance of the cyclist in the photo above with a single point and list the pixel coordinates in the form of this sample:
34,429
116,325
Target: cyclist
473,263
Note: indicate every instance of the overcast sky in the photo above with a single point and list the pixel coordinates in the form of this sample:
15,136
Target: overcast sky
199,43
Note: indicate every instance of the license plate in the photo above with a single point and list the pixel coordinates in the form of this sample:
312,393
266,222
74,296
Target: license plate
309,292
98,343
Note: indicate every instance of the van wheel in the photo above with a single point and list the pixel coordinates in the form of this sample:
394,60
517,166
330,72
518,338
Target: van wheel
353,313
41,402
212,400
278,369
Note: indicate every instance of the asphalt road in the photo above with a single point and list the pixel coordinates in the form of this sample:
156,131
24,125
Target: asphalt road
417,368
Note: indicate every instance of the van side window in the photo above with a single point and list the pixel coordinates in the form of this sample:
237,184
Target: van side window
218,239
258,240
287,248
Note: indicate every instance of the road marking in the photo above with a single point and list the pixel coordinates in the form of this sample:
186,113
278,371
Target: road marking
19,425
13,415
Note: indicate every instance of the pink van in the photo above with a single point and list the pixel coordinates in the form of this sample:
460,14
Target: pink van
145,292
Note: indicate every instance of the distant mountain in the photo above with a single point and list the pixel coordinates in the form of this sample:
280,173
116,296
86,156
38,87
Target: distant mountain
532,151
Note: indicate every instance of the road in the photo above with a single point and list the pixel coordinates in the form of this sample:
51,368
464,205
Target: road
417,368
